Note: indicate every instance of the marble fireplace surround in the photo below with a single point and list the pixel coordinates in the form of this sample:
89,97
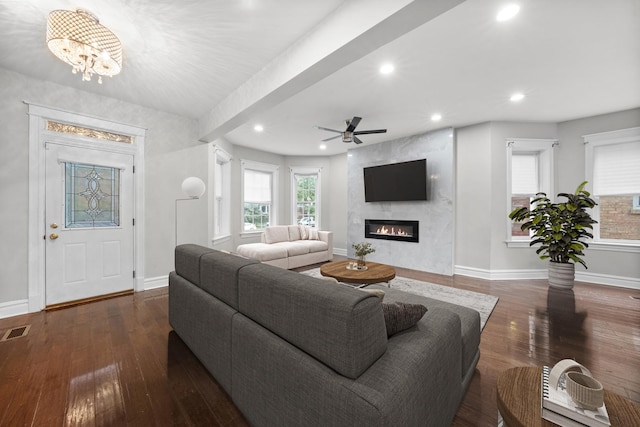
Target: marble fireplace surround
434,250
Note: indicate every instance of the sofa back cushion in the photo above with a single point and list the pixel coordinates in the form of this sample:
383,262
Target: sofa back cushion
294,232
276,233
219,275
340,326
187,261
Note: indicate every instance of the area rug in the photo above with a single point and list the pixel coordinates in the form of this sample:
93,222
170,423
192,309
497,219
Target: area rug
482,303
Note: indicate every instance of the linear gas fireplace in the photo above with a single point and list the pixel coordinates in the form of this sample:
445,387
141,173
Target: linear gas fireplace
389,229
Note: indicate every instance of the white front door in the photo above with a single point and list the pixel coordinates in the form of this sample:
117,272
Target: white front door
89,223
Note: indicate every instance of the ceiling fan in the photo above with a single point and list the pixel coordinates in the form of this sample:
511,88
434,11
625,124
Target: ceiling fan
349,134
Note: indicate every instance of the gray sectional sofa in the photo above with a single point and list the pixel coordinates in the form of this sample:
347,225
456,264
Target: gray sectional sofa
293,350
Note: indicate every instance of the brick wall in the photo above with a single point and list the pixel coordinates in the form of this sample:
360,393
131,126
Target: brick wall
618,219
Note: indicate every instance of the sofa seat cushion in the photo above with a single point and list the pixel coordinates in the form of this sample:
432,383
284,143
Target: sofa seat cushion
263,251
294,248
314,245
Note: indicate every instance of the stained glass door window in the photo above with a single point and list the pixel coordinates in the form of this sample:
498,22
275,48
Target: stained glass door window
92,196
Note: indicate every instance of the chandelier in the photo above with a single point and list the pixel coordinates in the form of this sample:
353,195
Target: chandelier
78,39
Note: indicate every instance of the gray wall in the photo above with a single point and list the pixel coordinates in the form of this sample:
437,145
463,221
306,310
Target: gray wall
172,153
481,191
434,251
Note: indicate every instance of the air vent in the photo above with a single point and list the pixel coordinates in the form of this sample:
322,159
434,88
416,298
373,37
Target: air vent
14,333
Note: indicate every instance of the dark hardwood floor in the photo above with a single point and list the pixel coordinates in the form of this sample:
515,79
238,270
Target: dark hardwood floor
116,362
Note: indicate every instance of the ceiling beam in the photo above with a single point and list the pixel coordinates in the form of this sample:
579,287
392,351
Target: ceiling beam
354,30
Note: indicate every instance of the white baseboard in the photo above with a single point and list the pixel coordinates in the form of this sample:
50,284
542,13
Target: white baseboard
14,308
601,279
500,274
340,251
156,282
605,279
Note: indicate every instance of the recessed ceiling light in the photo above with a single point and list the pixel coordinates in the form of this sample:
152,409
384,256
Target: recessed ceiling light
258,128
323,146
436,117
507,12
517,97
387,68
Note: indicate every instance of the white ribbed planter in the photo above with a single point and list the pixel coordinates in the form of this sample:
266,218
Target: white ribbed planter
561,275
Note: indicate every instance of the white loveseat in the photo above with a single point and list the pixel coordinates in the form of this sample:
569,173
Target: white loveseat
290,246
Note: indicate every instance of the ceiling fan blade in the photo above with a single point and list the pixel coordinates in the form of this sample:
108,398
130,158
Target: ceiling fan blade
330,130
357,140
365,132
333,137
353,123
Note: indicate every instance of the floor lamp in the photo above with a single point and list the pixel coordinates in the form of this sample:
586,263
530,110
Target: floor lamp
193,187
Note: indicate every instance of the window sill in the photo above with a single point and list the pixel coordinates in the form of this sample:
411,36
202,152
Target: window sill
633,248
222,238
518,243
250,234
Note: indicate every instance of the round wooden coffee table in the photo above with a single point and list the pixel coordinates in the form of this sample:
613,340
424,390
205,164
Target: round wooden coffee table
375,273
519,397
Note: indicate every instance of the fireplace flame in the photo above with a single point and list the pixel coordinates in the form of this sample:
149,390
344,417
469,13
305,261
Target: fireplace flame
392,231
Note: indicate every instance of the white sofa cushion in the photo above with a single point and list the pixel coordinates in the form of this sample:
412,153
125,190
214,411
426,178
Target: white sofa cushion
294,232
304,234
262,251
276,233
295,248
313,233
315,245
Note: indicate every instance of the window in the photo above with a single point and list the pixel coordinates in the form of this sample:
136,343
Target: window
529,171
305,185
92,196
221,193
613,171
259,185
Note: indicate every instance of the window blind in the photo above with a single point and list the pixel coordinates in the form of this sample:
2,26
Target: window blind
524,173
616,169
257,186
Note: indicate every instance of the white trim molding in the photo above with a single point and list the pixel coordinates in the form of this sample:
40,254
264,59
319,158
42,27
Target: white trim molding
38,115
14,308
156,282
524,274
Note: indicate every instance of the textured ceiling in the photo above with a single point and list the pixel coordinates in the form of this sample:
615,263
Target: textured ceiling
571,58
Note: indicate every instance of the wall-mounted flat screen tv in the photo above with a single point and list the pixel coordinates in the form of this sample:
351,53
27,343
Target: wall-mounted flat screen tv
396,182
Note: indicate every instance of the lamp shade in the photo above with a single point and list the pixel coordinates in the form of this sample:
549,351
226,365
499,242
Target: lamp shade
193,187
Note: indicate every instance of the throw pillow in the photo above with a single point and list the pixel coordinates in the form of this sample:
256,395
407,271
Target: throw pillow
399,316
377,292
313,234
304,234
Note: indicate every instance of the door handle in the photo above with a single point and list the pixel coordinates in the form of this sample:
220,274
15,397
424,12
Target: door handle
53,236
54,225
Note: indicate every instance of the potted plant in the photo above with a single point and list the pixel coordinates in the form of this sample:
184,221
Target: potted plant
362,250
561,230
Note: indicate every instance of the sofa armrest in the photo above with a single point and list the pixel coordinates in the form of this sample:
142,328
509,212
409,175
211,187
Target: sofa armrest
327,236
